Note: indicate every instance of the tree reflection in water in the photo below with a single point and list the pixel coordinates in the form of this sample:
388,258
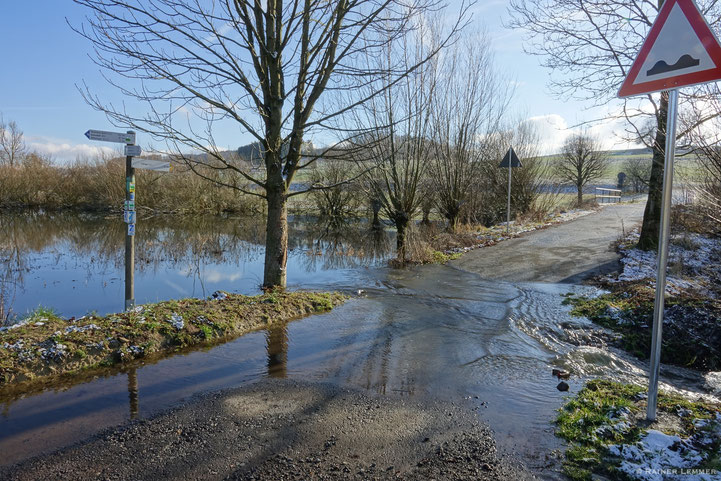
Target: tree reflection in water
276,340
93,244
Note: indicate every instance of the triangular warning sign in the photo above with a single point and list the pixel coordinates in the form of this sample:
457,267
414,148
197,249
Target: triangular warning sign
510,158
680,50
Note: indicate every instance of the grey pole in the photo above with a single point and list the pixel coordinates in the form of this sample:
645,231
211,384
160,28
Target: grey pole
508,206
129,239
662,259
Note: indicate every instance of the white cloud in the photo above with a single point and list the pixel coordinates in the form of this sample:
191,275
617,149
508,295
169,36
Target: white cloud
60,150
553,130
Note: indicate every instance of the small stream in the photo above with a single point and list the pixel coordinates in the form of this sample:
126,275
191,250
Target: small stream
424,331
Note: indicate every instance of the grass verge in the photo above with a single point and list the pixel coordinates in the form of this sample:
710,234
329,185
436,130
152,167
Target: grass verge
608,435
44,346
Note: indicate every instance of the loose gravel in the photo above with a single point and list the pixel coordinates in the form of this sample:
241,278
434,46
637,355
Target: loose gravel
287,430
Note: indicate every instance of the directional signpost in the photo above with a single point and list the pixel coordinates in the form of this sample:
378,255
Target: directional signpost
131,150
510,160
680,50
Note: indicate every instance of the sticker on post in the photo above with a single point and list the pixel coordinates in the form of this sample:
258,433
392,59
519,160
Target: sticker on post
129,216
131,229
131,187
130,205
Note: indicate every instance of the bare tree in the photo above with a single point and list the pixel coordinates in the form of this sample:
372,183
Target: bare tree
393,135
489,201
12,144
638,170
340,202
590,45
466,114
581,162
707,170
267,68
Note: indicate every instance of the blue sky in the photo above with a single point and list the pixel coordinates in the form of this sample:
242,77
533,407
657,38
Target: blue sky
44,60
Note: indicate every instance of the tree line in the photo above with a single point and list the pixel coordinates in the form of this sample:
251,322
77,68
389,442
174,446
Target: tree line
393,80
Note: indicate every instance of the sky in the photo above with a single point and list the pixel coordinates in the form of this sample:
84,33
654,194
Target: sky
43,62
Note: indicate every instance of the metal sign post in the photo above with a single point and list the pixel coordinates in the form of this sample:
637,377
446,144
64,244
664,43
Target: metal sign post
129,216
508,205
662,259
680,50
510,160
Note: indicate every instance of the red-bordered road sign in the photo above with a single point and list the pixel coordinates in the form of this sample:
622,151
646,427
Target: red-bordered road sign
680,50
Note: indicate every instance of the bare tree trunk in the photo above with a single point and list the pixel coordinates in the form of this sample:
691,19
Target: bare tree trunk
276,229
579,188
376,207
652,214
276,243
426,215
401,222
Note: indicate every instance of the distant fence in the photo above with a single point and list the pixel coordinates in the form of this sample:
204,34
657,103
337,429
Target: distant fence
612,195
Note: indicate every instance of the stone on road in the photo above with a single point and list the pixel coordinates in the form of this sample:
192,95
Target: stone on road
566,253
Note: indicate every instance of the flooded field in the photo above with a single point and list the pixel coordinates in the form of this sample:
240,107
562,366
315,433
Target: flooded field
425,331
74,263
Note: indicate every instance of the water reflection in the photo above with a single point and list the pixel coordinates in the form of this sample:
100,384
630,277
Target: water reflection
133,392
74,262
277,347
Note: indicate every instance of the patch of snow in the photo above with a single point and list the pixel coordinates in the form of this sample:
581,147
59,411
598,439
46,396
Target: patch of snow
24,322
218,296
17,346
712,382
136,350
177,321
688,261
74,328
658,457
54,351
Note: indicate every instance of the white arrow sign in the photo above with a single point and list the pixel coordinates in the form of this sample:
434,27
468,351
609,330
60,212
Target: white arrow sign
157,165
117,137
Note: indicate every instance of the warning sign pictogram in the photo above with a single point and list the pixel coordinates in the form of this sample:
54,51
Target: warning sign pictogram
680,50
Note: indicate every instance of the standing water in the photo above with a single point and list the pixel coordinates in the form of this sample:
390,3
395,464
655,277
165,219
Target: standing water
428,331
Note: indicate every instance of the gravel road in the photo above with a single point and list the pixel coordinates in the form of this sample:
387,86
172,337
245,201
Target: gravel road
286,430
565,253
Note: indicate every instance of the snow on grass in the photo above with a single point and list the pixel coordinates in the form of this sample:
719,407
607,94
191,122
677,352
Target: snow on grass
693,263
658,456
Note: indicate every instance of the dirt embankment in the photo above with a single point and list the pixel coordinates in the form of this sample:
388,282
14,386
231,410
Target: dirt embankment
279,429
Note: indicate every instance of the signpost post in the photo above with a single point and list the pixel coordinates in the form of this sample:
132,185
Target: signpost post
680,50
129,208
510,160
